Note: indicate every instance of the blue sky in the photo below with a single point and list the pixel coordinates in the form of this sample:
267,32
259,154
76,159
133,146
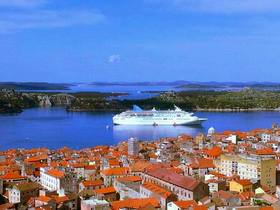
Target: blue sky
139,40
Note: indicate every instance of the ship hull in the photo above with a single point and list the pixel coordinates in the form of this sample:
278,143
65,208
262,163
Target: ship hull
158,122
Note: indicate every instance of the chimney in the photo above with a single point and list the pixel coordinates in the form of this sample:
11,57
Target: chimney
42,193
61,193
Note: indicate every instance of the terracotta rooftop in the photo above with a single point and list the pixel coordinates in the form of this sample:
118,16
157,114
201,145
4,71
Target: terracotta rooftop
214,152
89,183
166,175
202,163
44,199
243,182
129,179
115,171
12,175
55,173
106,190
185,204
134,203
156,189
36,158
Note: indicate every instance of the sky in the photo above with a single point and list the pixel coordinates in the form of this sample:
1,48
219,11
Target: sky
139,40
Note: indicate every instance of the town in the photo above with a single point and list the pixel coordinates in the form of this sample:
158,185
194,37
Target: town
230,170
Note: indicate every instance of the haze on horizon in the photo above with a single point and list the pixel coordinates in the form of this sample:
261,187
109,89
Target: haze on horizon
141,40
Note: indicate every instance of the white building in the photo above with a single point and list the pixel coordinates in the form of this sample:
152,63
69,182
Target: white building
92,204
22,192
51,179
266,137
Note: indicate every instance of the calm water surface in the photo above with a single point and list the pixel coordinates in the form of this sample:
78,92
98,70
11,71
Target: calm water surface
54,127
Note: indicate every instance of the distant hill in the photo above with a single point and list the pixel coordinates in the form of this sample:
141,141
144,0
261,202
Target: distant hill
196,85
34,86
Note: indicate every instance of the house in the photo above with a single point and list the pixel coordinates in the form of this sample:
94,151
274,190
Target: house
13,177
57,200
54,179
51,179
150,190
215,185
109,175
184,187
199,167
22,192
95,204
91,184
128,187
240,185
107,193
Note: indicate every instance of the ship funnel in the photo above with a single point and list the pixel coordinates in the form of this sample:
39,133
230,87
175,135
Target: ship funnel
137,108
177,108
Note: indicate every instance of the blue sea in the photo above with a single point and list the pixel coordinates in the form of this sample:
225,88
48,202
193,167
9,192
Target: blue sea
54,127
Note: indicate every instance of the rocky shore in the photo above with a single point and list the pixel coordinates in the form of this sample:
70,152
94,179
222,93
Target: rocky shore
15,102
208,101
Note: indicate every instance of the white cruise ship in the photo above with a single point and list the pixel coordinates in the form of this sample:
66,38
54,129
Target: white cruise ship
137,116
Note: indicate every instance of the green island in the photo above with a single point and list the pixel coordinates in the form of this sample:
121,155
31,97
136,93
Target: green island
245,100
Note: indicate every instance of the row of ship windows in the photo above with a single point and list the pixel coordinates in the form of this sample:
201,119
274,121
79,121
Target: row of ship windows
150,115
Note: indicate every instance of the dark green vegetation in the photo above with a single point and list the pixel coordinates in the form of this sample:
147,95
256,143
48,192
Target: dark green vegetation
15,102
245,100
33,86
12,102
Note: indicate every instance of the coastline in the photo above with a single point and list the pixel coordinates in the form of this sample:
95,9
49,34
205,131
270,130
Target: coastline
237,110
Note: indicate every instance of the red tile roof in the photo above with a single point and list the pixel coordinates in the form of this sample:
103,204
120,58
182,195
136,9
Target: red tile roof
214,152
44,199
185,204
115,171
55,173
92,183
12,175
243,182
202,163
156,189
135,203
106,190
129,179
186,182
